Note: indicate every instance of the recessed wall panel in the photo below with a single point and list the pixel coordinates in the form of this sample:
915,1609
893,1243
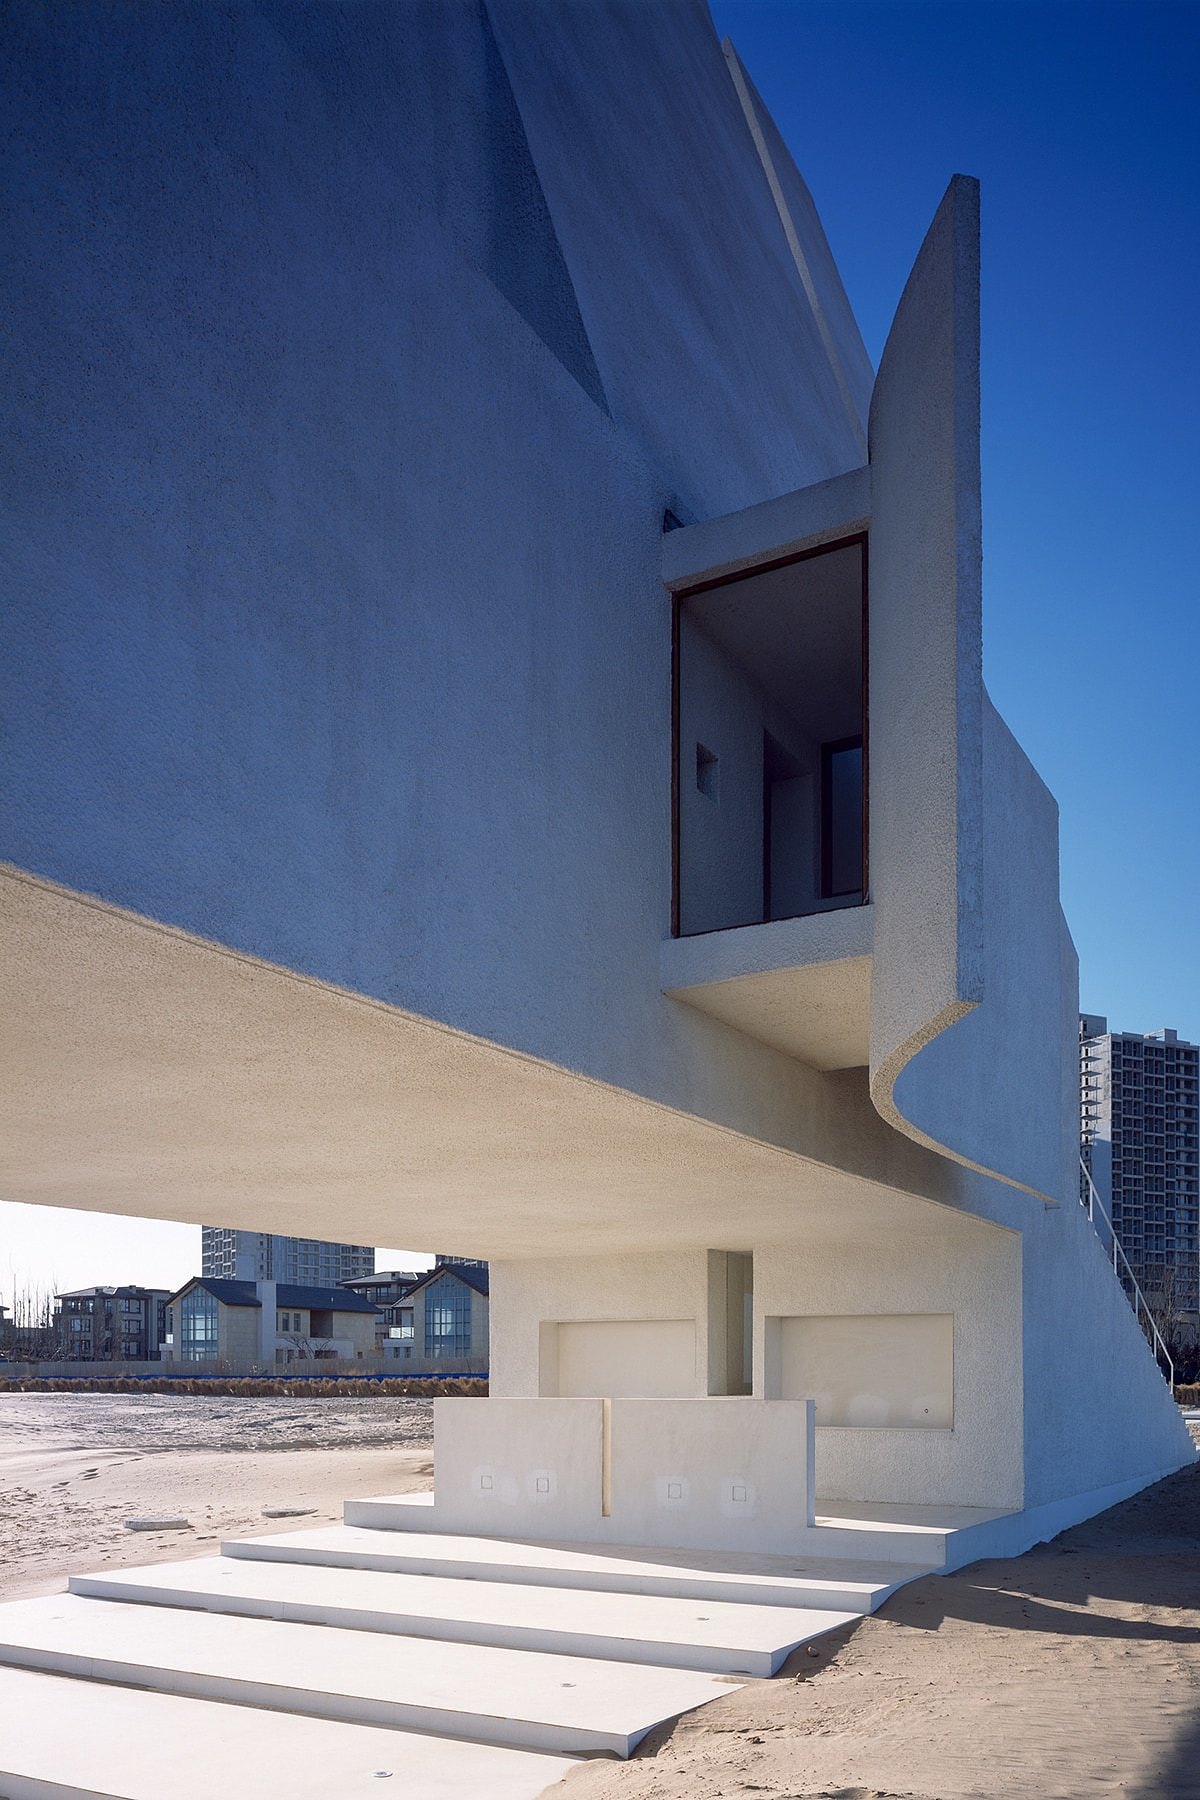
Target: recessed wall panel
647,1359
894,1370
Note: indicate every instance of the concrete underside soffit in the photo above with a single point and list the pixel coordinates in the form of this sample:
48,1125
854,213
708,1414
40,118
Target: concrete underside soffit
153,1073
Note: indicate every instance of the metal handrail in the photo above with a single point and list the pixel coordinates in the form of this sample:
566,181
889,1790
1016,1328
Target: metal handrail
1093,1204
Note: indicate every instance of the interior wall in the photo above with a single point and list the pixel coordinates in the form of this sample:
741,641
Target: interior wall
721,838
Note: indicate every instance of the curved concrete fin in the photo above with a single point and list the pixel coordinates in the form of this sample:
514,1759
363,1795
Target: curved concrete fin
963,854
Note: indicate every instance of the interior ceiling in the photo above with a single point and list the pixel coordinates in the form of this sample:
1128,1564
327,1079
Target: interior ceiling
151,1073
797,632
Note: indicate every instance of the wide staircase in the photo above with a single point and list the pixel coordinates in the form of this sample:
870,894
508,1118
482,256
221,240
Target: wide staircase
320,1663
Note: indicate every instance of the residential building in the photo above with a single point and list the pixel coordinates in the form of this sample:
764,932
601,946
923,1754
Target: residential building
495,684
110,1324
266,1324
266,1256
386,1286
385,1290
1140,1144
442,1319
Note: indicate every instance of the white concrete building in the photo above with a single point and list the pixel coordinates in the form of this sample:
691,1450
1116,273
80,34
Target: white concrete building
498,756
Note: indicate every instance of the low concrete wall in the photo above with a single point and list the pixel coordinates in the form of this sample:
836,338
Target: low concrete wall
721,1473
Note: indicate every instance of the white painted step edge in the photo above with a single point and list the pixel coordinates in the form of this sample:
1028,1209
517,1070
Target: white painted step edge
860,1597
731,1659
121,1739
350,1709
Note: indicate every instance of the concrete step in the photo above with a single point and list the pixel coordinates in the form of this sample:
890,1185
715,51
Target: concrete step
932,1536
528,1699
847,1586
87,1740
723,1637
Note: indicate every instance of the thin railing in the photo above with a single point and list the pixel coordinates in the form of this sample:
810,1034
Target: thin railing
1093,1204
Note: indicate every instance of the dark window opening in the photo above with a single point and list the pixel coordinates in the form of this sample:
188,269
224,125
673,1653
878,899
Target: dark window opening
842,819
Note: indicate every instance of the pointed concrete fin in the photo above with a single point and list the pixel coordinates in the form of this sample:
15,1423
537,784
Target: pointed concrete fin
521,249
810,251
968,991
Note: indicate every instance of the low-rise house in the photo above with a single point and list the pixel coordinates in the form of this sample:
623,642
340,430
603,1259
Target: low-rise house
443,1318
385,1290
110,1324
267,1324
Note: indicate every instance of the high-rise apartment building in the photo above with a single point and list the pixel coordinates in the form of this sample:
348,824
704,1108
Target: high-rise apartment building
231,1255
1140,1142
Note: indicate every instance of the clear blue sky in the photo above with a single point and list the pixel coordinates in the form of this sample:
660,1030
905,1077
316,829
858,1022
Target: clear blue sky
1081,121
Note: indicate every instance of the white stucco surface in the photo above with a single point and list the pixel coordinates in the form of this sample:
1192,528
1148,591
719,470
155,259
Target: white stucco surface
925,673
730,1473
357,356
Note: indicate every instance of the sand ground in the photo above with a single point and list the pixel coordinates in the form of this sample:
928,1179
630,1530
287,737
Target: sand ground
1071,1672
74,1467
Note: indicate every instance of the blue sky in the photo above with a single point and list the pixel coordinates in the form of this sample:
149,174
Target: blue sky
1082,123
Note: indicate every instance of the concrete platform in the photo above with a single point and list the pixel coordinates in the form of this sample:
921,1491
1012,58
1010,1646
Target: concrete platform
62,1739
847,1585
722,1637
933,1536
527,1699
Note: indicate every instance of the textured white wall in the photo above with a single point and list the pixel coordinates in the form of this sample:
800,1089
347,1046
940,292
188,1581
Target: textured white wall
893,1369
925,652
618,1358
732,1474
971,1271
354,359
636,1288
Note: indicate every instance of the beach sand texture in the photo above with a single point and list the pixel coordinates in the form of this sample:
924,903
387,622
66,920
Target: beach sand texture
74,1467
1068,1673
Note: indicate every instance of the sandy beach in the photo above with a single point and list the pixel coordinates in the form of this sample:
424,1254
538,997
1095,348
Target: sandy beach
1070,1672
74,1467
1067,1673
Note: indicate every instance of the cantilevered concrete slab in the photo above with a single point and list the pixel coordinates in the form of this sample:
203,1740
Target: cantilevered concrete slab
720,1636
801,985
531,1700
153,1071
120,1740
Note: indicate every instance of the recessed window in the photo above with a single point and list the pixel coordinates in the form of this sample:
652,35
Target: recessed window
706,772
771,666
